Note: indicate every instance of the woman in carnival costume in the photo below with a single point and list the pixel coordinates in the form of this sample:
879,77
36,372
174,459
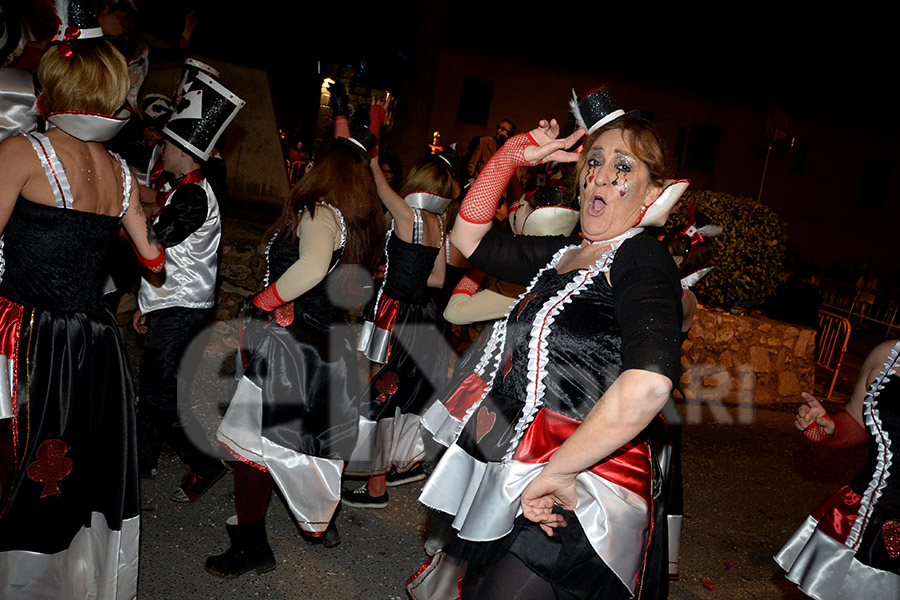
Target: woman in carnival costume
551,479
849,546
403,332
293,417
68,458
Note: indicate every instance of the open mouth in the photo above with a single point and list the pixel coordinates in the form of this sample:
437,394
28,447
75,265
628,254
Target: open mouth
596,206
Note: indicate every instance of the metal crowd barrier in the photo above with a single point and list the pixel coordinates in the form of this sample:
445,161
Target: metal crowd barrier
831,345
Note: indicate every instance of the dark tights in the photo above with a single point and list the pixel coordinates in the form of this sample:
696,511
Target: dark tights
252,489
507,579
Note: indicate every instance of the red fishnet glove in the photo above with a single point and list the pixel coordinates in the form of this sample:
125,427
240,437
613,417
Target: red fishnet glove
470,282
377,113
480,203
847,432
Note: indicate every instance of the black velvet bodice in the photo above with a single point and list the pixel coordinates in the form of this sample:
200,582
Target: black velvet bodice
54,256
283,253
583,346
409,266
580,351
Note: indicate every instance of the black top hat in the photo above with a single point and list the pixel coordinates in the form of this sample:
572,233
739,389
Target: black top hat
201,116
597,109
156,109
362,140
77,21
449,156
189,71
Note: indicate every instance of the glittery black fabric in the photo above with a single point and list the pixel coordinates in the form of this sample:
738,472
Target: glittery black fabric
215,111
597,105
82,16
54,256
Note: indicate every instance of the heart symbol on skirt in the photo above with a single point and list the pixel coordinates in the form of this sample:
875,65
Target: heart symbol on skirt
484,422
891,532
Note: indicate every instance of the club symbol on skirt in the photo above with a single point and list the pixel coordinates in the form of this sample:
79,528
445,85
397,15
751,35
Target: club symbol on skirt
387,385
51,466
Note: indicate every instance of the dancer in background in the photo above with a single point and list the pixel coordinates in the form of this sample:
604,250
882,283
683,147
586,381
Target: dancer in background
849,546
69,498
403,335
294,417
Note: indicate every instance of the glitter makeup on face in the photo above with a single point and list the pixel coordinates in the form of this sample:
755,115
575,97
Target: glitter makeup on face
623,189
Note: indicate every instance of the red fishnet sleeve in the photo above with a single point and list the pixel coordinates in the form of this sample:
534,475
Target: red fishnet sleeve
470,282
847,432
376,118
480,203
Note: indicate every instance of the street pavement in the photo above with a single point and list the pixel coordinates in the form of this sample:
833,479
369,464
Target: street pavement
747,486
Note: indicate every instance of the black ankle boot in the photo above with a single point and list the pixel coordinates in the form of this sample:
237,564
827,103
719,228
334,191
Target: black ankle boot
329,539
249,550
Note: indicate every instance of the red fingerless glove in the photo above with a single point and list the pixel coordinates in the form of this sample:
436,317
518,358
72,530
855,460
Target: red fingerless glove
470,282
268,299
847,432
156,264
480,203
376,118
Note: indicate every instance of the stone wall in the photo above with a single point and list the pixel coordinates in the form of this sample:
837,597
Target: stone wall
746,359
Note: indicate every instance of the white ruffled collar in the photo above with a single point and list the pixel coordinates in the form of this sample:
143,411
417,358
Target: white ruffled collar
89,127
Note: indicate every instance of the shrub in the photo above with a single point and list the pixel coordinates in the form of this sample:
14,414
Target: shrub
748,253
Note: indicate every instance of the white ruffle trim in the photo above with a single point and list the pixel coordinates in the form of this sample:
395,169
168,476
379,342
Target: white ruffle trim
541,326
884,458
268,263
